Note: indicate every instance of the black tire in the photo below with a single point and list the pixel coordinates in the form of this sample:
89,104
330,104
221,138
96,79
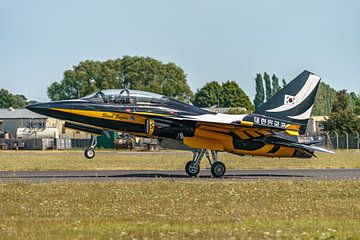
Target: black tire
89,153
191,170
218,169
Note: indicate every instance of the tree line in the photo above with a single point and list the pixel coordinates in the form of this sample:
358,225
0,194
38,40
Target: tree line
344,117
140,73
147,74
327,97
9,100
225,95
265,88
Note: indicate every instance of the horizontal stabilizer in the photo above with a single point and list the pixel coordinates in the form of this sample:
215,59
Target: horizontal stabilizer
313,148
309,148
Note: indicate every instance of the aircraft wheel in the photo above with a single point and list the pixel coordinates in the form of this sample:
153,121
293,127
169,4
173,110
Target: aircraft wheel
218,169
89,153
192,170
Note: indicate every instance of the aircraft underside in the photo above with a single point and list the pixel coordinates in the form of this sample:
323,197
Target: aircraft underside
204,143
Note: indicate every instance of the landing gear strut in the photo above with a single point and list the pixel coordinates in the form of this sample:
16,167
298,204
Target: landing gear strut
218,169
192,168
90,152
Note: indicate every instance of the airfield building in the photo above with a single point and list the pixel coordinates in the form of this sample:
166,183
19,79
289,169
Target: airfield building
12,119
316,124
24,129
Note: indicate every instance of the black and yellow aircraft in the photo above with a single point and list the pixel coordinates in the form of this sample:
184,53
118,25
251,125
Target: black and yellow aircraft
273,130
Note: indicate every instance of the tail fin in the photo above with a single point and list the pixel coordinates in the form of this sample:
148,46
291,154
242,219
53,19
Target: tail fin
295,101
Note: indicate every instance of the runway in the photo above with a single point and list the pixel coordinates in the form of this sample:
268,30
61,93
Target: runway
145,175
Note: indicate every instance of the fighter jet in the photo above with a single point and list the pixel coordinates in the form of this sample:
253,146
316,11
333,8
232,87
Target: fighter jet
273,130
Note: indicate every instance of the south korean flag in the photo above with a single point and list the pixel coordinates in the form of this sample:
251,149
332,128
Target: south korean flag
289,100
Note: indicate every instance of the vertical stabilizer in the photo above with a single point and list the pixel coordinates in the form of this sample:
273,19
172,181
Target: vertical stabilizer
295,101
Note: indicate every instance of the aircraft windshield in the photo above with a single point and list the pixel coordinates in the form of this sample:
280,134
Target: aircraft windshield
126,96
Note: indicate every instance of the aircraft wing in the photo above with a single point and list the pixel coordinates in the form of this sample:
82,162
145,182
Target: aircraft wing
284,136
244,129
225,123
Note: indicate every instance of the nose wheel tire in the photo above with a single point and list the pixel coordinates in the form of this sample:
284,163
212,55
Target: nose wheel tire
89,153
191,169
218,169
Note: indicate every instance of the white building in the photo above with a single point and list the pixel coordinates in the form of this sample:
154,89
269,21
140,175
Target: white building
316,124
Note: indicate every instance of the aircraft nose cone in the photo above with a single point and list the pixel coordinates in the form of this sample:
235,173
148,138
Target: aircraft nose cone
41,108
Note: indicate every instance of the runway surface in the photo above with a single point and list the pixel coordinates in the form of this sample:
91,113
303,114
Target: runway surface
129,175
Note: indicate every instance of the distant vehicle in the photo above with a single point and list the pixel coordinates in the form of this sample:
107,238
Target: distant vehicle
125,141
26,133
273,130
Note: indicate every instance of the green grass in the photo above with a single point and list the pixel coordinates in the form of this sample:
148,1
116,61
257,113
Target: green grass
177,209
75,160
189,209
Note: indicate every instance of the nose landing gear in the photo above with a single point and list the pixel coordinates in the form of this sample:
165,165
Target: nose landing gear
90,152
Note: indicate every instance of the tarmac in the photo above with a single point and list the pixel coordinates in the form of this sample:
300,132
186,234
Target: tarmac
147,175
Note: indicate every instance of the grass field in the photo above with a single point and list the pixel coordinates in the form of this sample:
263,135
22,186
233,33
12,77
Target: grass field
106,160
192,209
172,209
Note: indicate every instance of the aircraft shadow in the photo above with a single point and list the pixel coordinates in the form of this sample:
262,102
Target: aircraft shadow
158,175
227,176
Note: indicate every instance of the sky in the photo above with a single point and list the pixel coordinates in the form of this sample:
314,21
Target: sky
211,40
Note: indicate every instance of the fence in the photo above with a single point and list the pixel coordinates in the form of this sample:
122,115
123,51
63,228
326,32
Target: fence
44,143
338,140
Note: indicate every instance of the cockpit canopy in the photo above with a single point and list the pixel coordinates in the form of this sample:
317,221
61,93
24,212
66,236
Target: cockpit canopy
126,96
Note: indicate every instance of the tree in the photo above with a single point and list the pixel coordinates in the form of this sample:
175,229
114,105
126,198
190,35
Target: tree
209,95
268,89
259,88
228,95
342,118
234,96
284,83
272,86
8,100
237,111
324,100
342,102
356,99
174,83
326,97
343,121
354,102
140,73
275,85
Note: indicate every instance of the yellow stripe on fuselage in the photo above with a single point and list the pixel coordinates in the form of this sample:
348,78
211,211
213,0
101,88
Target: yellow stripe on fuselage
242,135
122,117
253,134
151,114
151,126
247,123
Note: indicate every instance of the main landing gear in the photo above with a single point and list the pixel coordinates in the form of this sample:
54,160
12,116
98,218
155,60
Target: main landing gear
90,152
218,169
